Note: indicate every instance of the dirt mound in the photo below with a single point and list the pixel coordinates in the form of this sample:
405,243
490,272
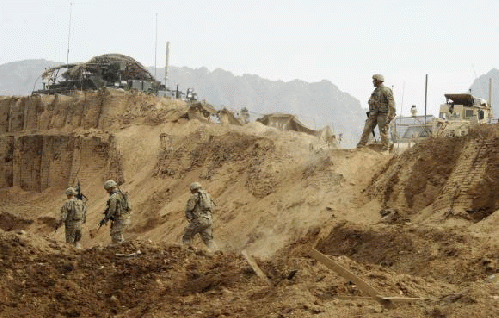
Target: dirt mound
141,279
210,153
277,197
439,253
9,222
103,282
268,184
442,178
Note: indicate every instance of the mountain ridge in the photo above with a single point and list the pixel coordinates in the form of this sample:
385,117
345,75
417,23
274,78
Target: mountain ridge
316,104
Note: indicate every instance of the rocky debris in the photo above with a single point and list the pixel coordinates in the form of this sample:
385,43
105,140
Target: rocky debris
165,279
10,222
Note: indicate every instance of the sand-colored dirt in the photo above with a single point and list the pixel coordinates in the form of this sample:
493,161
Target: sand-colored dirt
277,197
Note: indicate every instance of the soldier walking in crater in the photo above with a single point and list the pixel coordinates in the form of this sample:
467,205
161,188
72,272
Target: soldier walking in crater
73,215
381,112
198,211
117,210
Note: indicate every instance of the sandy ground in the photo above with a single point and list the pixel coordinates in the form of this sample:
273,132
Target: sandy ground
277,198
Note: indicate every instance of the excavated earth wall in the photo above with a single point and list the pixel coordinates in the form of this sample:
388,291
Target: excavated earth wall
446,177
44,138
37,162
104,110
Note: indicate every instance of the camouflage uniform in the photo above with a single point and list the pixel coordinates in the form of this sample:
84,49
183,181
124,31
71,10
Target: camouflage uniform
199,221
73,215
381,113
120,218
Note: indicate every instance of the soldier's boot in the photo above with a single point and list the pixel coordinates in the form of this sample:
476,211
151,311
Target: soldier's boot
365,137
186,241
385,150
188,235
212,246
115,244
385,146
117,239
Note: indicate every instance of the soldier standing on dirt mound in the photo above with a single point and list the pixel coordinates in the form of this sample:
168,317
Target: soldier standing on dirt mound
73,215
381,112
117,210
198,211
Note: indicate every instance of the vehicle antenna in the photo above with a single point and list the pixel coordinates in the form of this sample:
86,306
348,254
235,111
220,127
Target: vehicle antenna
69,32
156,46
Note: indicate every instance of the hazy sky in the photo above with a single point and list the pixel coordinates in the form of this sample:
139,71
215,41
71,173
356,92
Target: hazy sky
344,42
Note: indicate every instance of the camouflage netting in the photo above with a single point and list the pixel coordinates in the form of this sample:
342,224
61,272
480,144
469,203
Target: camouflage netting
133,69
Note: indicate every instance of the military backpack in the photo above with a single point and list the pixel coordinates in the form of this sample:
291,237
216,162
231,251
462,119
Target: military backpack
78,210
125,202
205,202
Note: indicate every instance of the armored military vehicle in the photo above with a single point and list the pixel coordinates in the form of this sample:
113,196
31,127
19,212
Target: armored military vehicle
459,113
456,116
110,70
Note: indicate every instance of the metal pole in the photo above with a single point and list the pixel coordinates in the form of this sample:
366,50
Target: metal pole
155,46
402,101
166,61
400,117
425,99
490,102
69,32
490,92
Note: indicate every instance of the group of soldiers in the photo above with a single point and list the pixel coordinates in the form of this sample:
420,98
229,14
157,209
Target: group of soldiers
198,212
200,207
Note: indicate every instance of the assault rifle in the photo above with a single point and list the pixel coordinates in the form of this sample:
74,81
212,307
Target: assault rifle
57,225
374,135
104,220
79,194
101,224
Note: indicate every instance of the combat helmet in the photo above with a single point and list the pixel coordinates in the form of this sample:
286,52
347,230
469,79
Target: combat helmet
195,186
110,184
70,191
379,77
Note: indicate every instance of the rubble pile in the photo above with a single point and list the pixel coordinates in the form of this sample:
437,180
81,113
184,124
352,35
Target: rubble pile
144,279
